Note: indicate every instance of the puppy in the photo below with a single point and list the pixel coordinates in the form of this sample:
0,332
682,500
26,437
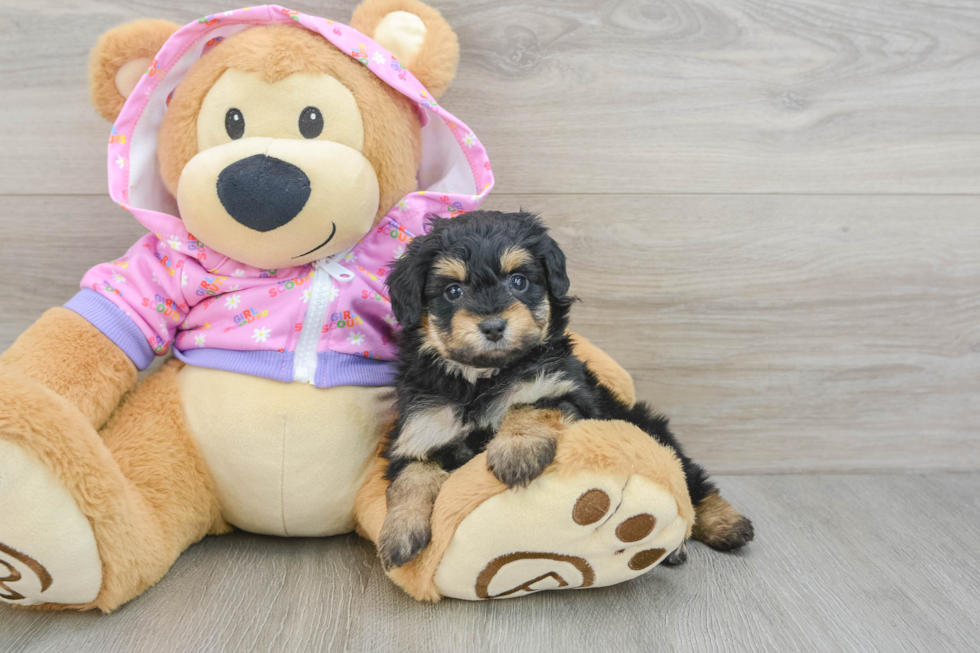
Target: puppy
485,364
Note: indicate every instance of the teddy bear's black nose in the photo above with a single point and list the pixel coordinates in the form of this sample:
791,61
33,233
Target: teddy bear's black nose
263,192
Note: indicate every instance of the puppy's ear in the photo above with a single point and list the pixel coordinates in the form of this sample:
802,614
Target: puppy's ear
415,33
119,59
406,283
553,260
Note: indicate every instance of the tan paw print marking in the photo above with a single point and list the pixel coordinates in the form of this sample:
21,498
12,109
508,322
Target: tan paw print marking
13,575
561,533
593,506
562,571
549,580
636,527
645,558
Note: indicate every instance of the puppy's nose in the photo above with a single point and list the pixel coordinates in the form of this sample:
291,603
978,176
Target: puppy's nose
493,328
263,192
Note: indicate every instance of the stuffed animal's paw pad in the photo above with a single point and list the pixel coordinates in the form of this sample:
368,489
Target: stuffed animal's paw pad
48,552
611,529
593,506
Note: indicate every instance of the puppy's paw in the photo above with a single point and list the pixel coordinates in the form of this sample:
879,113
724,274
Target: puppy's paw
403,537
732,537
678,557
720,526
518,460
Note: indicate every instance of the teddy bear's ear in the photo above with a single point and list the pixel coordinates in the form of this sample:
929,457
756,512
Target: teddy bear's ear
415,33
119,59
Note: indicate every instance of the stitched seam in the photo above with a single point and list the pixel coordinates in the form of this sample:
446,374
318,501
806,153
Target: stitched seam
612,513
282,481
467,151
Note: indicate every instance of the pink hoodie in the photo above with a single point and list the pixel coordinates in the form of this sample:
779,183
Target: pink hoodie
327,323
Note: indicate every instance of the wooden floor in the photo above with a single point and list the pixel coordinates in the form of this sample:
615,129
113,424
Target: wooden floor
842,563
771,211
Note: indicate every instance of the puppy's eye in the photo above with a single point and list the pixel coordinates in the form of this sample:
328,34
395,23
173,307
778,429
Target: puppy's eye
518,282
310,122
235,124
454,292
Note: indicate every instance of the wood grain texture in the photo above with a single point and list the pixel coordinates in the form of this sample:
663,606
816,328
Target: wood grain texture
884,563
605,96
779,333
737,185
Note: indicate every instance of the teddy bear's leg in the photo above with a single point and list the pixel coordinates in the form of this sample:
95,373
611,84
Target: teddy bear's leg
612,506
173,504
718,524
615,503
91,519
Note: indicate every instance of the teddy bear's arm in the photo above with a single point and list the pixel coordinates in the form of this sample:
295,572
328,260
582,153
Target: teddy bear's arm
63,352
609,372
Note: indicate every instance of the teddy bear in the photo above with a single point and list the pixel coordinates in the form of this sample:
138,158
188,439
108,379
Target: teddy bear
280,162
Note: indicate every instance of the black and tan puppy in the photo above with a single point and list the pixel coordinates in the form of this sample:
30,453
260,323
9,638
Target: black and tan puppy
486,364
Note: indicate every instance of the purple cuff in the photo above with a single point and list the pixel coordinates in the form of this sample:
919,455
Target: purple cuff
335,368
272,364
332,368
114,323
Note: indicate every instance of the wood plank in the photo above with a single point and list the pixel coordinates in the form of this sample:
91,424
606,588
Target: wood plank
607,96
779,333
788,333
883,563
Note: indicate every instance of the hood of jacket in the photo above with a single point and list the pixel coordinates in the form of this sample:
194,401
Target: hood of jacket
173,291
454,173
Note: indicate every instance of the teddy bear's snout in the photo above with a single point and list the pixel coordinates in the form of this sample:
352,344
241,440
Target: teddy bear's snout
262,192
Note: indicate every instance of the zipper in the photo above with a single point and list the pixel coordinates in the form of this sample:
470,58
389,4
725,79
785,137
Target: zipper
326,272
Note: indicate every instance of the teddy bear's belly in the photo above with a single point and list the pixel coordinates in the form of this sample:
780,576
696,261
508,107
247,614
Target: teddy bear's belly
287,458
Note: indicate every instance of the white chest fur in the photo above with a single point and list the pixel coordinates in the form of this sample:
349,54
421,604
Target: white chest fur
543,386
435,427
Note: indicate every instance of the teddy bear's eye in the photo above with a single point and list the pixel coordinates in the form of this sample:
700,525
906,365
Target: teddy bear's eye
310,122
235,124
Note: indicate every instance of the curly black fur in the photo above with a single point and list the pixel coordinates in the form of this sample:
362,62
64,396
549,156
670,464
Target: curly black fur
425,382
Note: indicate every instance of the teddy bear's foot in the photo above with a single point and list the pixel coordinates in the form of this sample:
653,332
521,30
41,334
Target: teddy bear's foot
562,532
48,552
612,505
